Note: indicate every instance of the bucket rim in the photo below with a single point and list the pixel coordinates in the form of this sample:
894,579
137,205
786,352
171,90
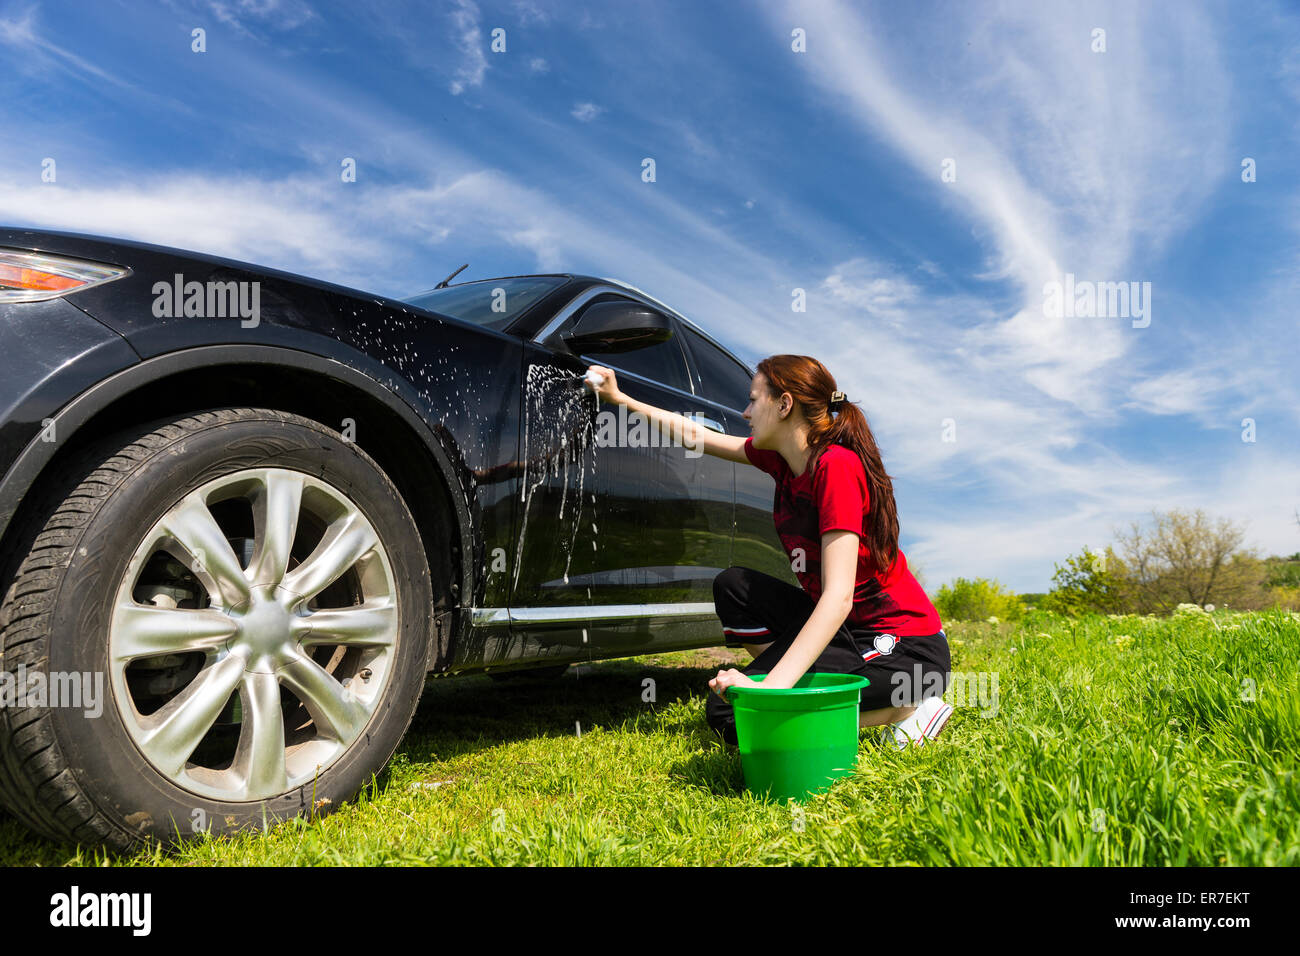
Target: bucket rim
851,682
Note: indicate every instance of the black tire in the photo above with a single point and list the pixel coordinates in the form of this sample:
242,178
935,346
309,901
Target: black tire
78,777
553,672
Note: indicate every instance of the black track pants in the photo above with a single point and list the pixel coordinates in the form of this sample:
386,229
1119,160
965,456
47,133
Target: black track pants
756,608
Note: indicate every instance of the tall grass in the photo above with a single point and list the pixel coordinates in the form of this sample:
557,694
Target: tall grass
1129,741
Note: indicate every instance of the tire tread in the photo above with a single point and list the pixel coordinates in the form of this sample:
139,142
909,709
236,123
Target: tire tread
37,785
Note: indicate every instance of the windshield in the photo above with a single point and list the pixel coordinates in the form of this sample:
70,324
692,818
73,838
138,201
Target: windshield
491,303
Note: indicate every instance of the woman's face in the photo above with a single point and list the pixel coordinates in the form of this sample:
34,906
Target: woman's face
763,413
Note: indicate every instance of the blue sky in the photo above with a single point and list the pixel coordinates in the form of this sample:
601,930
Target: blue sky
775,170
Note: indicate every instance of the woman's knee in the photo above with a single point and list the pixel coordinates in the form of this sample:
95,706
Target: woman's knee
727,581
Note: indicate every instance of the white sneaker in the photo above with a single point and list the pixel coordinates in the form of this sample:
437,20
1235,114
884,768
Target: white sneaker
924,723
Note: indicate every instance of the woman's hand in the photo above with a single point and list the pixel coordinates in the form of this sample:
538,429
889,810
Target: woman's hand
726,679
608,389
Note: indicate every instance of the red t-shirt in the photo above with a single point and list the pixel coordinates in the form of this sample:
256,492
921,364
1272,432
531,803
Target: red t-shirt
836,497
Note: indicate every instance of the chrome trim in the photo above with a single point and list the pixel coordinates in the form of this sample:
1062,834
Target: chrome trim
651,300
707,422
586,614
622,288
585,296
647,576
573,305
694,327
739,413
482,616
658,384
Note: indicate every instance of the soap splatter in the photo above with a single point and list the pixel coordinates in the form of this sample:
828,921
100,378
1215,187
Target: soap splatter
559,429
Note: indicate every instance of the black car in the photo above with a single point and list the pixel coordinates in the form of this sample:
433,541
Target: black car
245,514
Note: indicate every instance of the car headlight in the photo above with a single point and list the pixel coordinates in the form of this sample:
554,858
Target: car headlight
34,276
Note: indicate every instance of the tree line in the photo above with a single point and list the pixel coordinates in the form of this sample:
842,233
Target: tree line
1180,557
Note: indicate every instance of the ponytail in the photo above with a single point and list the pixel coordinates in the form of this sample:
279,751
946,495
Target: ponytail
833,420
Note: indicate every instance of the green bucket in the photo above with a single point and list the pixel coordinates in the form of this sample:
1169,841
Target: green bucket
796,741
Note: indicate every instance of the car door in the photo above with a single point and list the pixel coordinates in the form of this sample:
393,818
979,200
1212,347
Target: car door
622,528
723,383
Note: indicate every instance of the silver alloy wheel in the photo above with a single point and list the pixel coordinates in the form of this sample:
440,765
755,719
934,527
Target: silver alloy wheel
285,653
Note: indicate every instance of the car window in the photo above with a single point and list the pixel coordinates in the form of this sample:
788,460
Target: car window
663,362
723,379
492,303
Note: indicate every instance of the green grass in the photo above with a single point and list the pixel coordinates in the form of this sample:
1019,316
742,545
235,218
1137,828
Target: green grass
1115,741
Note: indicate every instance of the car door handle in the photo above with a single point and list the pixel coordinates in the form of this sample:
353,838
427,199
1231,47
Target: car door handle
707,422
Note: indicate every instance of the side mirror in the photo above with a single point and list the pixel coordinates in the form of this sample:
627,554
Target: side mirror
609,327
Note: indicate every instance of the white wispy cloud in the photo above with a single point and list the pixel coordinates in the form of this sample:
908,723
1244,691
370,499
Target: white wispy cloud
530,11
696,143
469,39
586,112
34,50
1067,167
246,16
294,223
1181,392
871,287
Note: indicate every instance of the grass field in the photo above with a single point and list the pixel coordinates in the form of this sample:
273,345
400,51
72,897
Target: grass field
1116,741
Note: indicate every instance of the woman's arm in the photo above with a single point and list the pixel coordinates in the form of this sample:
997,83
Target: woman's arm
692,435
839,573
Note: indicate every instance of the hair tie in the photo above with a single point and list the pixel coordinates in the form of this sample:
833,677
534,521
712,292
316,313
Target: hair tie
837,399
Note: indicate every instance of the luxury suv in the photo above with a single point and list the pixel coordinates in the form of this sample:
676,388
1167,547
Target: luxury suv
245,515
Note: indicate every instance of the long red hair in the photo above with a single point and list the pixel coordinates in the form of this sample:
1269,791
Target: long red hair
811,385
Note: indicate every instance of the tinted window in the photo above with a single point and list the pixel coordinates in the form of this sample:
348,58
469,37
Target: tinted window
475,301
723,379
664,362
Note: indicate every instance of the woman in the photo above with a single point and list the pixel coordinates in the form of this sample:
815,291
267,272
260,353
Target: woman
860,610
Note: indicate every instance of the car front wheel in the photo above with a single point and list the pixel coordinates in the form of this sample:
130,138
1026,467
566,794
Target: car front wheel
235,608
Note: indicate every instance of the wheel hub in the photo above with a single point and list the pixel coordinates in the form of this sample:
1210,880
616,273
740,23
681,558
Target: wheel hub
264,635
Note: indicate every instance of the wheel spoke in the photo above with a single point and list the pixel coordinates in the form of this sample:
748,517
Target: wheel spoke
275,518
345,541
144,631
334,710
368,625
192,526
259,757
257,634
171,734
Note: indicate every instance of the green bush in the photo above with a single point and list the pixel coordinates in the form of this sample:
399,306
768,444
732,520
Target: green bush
1088,583
977,600
1282,572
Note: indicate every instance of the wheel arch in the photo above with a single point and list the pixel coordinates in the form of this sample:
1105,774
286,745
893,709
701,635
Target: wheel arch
416,458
